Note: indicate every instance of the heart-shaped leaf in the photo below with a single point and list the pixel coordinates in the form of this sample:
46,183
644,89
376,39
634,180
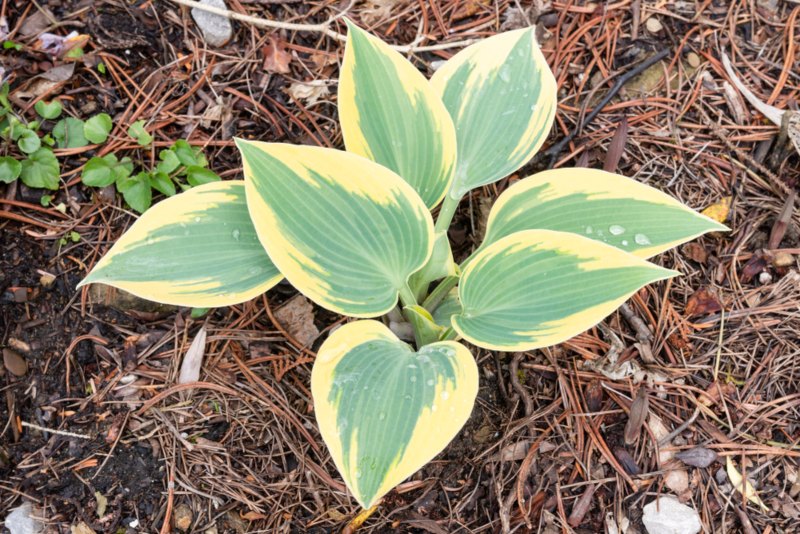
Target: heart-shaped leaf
48,110
390,114
10,169
344,230
600,205
97,128
502,98
385,410
536,288
196,249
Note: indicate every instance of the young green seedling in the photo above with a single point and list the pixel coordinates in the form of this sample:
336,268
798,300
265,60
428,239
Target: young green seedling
353,232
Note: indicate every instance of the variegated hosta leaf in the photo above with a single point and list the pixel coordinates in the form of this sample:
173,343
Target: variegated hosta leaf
196,249
390,114
502,98
344,230
450,306
385,410
600,205
536,288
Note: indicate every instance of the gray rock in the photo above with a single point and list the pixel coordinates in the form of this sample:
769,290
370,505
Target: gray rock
217,30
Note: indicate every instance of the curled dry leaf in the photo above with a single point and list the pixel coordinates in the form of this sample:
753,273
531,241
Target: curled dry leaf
308,92
276,56
702,302
697,457
743,486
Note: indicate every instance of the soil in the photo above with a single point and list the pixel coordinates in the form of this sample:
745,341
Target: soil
79,441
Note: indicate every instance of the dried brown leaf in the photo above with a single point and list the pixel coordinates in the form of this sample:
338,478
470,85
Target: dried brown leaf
637,416
617,146
276,56
702,302
297,317
696,252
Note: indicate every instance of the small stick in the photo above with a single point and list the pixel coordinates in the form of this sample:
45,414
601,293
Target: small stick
554,150
59,432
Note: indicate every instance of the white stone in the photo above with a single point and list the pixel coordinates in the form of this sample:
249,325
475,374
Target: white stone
666,515
22,520
217,30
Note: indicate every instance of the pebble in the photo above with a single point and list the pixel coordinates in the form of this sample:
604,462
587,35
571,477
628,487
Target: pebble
217,30
653,25
693,60
182,517
15,363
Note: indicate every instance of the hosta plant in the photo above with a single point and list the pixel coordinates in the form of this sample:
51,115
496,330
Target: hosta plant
352,230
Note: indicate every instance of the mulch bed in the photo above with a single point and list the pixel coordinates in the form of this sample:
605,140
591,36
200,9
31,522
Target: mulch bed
716,350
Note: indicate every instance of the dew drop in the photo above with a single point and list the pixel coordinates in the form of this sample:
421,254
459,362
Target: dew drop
445,395
150,240
589,230
624,242
358,473
641,239
236,233
505,74
197,219
433,408
412,366
413,379
616,229
430,381
382,416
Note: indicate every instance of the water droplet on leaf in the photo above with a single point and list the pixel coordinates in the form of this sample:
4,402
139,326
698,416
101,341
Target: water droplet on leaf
616,229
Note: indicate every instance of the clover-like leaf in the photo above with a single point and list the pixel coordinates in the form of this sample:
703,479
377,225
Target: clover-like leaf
600,205
344,230
390,114
97,128
10,169
136,191
196,249
536,288
40,170
385,410
502,98
138,132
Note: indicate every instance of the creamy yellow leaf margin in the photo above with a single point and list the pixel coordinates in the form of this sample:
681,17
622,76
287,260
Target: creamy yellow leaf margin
502,97
600,205
412,404
390,114
344,230
537,288
195,249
